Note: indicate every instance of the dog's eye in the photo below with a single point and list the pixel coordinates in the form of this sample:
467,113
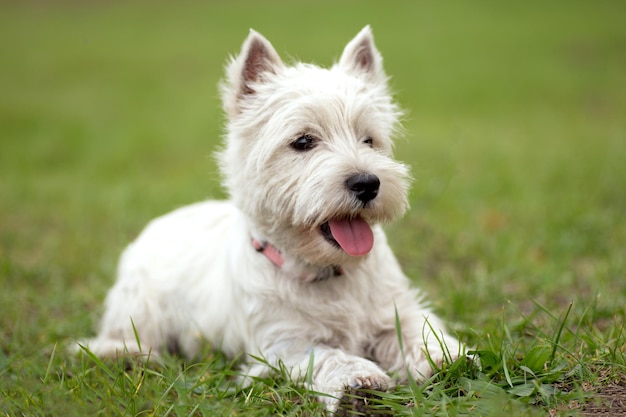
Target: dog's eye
304,143
369,141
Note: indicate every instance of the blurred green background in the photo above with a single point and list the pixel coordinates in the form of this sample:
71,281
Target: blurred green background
516,132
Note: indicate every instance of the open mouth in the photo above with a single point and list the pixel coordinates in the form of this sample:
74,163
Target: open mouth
354,236
325,229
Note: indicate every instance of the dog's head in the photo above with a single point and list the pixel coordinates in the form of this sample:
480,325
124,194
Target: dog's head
308,153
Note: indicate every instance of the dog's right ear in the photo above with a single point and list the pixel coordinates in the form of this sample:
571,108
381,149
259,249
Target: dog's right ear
257,59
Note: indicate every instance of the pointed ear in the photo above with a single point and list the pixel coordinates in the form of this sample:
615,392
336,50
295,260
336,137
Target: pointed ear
361,58
256,59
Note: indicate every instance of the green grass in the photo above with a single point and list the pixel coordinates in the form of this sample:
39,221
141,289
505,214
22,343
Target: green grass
516,133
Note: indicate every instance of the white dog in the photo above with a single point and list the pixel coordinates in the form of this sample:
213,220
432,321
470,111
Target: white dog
294,267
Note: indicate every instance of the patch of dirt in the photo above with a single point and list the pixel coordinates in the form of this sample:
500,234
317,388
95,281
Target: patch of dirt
609,401
604,397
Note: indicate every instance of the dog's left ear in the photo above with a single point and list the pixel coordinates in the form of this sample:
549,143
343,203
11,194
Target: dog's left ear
361,58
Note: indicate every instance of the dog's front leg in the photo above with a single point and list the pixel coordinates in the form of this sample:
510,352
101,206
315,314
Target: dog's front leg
424,344
337,377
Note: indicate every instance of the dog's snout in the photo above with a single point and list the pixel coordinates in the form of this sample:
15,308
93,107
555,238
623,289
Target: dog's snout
364,186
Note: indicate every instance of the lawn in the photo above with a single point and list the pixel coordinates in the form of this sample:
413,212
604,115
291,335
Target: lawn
516,134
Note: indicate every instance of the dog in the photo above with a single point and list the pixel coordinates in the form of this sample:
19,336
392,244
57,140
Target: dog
294,267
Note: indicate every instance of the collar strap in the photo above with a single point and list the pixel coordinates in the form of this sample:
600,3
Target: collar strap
269,251
277,259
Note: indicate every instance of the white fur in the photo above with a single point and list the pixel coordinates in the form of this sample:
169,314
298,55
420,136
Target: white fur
193,275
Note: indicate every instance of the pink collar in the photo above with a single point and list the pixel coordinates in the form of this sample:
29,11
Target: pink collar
269,251
273,254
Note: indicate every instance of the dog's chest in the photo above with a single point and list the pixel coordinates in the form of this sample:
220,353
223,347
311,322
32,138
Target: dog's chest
337,312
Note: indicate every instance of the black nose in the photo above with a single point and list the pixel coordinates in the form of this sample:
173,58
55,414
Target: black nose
364,186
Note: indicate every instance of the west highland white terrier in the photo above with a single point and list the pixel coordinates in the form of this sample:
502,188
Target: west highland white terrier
294,267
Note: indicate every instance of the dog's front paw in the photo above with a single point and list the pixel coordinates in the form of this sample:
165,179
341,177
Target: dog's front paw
352,386
422,363
356,398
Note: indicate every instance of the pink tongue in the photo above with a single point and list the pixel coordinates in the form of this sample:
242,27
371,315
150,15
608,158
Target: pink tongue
354,236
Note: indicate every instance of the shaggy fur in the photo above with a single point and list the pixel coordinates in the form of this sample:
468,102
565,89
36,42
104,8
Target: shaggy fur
308,164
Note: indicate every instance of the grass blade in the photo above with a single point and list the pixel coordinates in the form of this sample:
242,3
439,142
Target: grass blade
47,374
97,361
559,332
